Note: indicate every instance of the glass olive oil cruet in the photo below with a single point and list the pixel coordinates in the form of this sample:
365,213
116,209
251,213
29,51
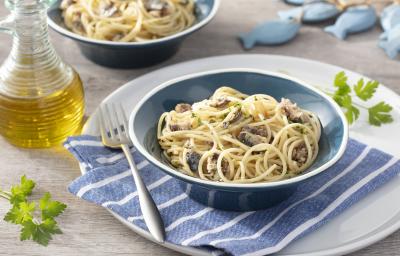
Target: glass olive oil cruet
41,97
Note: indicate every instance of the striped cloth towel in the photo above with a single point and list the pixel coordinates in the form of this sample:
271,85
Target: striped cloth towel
108,183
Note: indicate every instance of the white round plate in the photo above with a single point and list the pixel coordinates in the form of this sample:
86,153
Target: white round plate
367,222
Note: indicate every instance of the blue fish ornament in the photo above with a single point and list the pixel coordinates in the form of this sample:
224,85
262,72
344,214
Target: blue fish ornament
294,2
390,17
354,20
391,44
270,33
291,14
311,13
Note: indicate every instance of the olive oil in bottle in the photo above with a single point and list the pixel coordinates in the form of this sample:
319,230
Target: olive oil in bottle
41,97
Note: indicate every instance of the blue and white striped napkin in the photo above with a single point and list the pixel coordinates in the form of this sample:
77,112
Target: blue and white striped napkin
108,182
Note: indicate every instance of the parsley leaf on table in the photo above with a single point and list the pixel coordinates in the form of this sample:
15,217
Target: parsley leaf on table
20,192
50,208
20,213
24,212
40,233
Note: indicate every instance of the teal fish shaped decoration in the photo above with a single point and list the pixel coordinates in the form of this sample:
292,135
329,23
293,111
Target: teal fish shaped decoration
391,44
270,33
294,2
291,14
390,17
354,20
311,13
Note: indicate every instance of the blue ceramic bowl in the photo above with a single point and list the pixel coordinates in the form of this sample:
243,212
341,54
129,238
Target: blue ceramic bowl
132,54
196,87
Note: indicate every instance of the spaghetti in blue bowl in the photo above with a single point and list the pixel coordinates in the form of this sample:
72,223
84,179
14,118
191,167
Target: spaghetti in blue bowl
130,34
249,142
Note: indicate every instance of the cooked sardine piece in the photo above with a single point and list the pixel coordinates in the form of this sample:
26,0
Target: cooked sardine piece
192,159
212,164
183,107
300,153
293,112
232,117
251,136
219,103
180,127
157,8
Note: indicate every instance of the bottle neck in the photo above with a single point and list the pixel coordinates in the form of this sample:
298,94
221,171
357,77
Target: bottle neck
30,33
33,68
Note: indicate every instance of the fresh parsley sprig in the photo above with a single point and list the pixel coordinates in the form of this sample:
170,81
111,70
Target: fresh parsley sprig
378,114
37,219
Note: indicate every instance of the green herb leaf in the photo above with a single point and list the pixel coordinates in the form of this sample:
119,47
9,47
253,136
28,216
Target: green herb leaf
20,213
365,92
379,114
343,98
340,79
50,208
40,233
343,91
20,192
352,113
341,83
12,215
237,105
23,212
27,185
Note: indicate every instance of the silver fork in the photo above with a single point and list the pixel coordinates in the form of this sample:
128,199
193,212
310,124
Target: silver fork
114,134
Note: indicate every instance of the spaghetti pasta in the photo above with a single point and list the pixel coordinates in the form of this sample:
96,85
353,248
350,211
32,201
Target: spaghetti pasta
237,138
127,20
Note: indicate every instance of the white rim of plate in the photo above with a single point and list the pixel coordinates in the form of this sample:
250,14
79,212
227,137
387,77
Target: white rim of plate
187,31
348,247
186,178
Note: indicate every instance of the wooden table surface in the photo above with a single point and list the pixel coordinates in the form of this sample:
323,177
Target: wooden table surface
91,230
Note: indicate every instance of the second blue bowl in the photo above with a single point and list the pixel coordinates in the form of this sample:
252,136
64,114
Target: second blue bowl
133,54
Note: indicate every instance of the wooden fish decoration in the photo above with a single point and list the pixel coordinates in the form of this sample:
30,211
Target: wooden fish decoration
294,2
271,33
311,13
391,44
354,20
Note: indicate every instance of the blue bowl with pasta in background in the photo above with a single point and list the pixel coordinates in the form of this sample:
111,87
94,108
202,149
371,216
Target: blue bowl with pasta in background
137,54
143,126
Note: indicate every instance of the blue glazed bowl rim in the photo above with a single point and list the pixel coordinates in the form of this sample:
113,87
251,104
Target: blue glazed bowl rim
185,32
175,173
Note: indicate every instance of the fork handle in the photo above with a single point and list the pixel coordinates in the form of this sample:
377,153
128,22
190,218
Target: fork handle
149,209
